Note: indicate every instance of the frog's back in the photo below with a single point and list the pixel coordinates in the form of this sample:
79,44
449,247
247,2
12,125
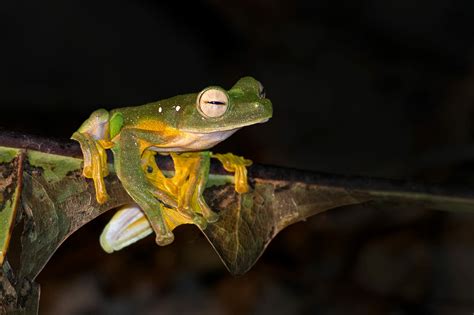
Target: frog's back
132,116
166,112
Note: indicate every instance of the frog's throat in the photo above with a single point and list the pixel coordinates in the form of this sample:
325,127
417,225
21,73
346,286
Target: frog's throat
193,141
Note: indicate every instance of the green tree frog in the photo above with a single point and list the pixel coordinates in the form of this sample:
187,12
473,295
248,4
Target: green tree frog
185,127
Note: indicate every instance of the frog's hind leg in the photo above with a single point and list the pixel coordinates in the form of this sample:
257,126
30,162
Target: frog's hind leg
128,166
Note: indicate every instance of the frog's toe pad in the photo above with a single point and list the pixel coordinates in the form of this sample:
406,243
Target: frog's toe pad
126,227
164,239
212,217
200,222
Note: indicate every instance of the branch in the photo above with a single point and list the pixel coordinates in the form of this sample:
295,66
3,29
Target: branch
56,200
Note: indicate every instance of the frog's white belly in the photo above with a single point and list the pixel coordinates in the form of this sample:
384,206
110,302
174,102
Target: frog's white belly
188,141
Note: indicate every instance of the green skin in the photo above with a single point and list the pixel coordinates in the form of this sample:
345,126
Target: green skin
185,123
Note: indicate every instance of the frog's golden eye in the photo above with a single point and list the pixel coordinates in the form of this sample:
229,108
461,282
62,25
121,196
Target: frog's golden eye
213,102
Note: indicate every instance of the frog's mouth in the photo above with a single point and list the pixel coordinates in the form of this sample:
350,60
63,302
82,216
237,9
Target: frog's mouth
220,129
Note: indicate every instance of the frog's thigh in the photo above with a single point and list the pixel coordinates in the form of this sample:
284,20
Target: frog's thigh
129,170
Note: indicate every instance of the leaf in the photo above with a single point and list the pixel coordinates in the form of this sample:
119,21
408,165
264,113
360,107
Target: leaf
10,188
55,207
249,222
17,296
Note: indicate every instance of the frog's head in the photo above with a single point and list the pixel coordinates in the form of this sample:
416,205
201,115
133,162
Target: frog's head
218,110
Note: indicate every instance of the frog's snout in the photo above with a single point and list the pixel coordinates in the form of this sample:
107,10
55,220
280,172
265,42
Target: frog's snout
267,108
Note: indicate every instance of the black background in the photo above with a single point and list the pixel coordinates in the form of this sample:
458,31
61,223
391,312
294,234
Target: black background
378,88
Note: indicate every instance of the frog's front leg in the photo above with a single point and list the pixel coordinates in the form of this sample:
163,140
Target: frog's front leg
94,139
237,165
127,153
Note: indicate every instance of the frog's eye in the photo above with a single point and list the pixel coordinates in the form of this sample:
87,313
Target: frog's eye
212,102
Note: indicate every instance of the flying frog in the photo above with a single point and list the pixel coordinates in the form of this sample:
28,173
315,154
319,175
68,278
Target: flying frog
185,127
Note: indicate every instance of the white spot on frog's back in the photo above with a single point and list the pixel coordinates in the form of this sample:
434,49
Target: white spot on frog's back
178,108
160,109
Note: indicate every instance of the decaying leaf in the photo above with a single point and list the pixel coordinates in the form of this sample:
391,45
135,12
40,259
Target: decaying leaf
11,169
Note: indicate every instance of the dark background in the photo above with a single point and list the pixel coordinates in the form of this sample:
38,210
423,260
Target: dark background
377,88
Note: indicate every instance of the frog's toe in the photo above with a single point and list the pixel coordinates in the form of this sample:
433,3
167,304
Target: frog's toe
207,213
200,222
212,217
164,239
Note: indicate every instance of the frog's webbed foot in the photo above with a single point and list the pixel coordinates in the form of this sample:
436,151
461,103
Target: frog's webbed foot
164,186
174,186
129,225
191,173
238,165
